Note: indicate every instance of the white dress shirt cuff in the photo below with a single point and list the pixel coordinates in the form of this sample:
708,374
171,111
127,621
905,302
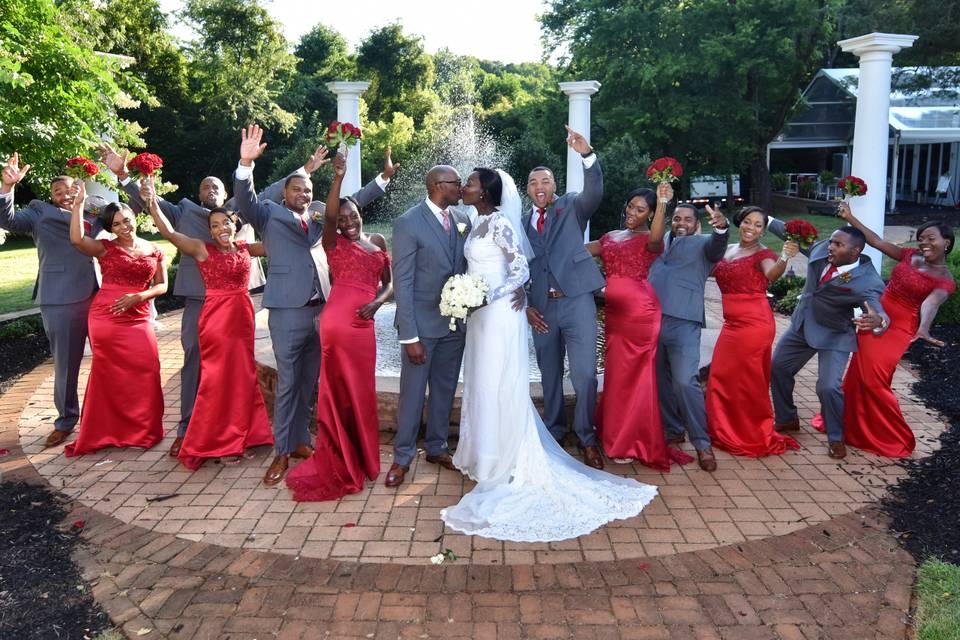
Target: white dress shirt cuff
244,173
302,171
124,181
589,160
410,340
382,182
724,230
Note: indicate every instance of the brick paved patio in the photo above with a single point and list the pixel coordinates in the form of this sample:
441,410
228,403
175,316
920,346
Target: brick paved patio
783,547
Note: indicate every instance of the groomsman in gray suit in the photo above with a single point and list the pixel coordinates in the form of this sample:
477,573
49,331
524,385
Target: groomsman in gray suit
293,294
562,312
679,276
428,244
65,285
839,279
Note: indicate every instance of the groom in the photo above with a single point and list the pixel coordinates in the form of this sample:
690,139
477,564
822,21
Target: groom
428,244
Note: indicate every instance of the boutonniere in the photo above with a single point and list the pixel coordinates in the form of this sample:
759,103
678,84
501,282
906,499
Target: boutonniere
845,277
461,228
316,216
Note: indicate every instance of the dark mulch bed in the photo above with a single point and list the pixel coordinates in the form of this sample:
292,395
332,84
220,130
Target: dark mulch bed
42,595
925,505
20,355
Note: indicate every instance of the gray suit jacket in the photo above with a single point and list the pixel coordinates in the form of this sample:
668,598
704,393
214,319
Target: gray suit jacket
559,250
679,274
66,275
825,312
423,260
292,275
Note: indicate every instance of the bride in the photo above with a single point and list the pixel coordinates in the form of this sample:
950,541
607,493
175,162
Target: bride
528,488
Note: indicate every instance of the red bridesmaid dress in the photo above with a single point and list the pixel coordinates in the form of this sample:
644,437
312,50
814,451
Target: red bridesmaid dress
348,430
739,412
628,416
123,404
872,419
229,415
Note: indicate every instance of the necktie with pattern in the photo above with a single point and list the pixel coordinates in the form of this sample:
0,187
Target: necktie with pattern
541,219
446,220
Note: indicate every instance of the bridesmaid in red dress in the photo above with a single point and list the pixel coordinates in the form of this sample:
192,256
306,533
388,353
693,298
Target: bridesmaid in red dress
739,412
229,415
124,345
627,417
348,445
919,284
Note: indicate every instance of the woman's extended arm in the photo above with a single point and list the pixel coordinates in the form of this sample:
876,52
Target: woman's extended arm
84,244
332,211
190,246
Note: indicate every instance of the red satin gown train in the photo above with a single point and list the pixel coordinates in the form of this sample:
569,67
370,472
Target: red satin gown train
348,445
739,411
628,417
229,415
123,404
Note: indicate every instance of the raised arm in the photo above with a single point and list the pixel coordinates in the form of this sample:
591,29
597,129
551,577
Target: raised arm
886,248
190,246
19,221
779,229
658,226
84,243
332,211
717,245
377,187
773,269
249,207
588,200
518,271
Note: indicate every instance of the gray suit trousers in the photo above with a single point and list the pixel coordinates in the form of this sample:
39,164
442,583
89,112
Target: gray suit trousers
791,354
440,372
296,347
573,328
678,381
190,371
66,329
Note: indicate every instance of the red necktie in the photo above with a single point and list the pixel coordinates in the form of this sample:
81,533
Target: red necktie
829,274
303,223
446,220
541,219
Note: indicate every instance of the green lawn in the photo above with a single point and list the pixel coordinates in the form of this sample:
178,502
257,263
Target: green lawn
938,593
18,270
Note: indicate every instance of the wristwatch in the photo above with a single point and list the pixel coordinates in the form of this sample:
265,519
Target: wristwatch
587,154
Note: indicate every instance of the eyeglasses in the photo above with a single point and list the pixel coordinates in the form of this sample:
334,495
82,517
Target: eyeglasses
459,183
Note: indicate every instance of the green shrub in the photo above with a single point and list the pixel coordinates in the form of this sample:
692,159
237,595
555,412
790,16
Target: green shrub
779,288
26,326
826,177
950,310
779,182
788,303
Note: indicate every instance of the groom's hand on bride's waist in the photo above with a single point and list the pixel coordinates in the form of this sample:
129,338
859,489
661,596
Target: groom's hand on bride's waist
535,318
519,299
416,352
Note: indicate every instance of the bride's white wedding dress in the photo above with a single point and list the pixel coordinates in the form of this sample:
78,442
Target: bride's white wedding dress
529,489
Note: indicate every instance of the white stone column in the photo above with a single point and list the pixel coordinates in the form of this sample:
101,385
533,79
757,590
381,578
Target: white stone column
871,131
579,120
348,110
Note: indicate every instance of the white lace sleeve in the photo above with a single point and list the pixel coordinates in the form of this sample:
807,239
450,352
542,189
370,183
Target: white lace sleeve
518,272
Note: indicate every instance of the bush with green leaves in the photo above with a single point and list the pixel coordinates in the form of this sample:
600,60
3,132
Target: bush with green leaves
26,326
778,288
950,310
779,181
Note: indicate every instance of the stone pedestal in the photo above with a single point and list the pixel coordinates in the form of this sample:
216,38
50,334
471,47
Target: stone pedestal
348,110
579,120
871,132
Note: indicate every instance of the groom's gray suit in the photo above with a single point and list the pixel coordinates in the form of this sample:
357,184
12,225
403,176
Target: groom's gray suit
563,277
293,295
678,276
65,287
822,324
424,258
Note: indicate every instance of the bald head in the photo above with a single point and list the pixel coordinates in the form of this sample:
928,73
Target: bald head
443,185
212,192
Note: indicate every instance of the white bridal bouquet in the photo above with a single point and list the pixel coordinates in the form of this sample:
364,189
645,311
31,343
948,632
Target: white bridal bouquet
460,293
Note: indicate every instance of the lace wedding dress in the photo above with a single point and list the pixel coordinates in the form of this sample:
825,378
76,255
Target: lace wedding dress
528,488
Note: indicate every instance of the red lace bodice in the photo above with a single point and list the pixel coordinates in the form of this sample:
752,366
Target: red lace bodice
629,258
351,263
226,270
910,285
743,275
120,268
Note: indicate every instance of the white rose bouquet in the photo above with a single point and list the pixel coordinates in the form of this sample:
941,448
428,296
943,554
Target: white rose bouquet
461,293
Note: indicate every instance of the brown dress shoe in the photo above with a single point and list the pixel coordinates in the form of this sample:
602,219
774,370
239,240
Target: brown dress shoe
837,450
675,440
302,452
276,470
395,475
792,425
175,447
442,459
708,462
592,457
56,438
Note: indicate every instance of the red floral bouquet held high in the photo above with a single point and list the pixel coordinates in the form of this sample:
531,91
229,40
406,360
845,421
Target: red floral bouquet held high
143,165
801,232
80,168
664,169
852,186
343,133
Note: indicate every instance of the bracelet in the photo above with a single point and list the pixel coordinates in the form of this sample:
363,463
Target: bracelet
587,154
784,258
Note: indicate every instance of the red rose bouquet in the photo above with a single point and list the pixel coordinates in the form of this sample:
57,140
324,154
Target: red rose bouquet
80,168
852,186
664,169
343,133
801,232
145,164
